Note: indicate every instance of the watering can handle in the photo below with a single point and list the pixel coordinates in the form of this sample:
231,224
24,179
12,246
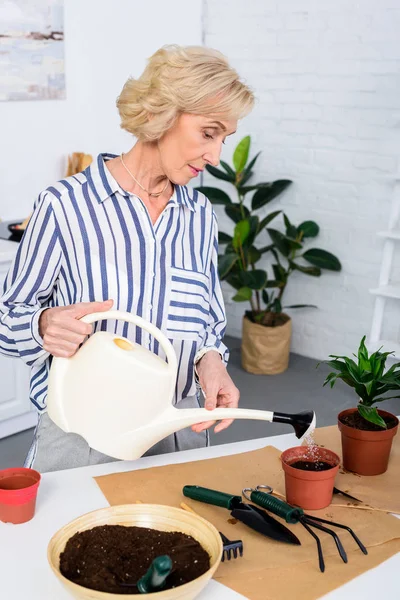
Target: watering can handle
136,320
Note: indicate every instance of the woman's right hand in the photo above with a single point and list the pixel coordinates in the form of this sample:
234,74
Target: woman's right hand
62,331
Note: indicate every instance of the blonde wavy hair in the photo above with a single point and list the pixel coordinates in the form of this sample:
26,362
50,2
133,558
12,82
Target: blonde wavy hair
176,80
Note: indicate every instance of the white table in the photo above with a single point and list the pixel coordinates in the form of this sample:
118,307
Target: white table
64,495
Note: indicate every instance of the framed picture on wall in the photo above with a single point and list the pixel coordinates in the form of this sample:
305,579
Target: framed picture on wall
32,50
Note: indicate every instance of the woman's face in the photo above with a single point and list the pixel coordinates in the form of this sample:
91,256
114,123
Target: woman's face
192,143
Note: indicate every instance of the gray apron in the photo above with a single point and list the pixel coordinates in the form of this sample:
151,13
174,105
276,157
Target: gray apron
53,449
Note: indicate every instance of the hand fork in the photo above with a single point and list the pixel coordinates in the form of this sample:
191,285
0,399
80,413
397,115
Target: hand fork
230,548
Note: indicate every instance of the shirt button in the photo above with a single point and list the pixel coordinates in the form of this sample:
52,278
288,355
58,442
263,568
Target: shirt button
150,306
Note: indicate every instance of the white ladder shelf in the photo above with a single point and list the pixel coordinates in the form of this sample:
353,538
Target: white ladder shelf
385,288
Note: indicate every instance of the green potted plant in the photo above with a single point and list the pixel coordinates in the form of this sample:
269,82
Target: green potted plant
267,328
367,432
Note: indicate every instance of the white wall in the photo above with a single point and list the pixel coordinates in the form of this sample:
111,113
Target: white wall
105,43
326,77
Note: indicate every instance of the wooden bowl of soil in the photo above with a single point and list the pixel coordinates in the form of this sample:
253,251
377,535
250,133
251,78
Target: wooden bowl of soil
97,554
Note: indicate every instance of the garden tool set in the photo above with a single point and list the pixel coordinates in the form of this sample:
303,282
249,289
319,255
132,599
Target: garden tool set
294,515
259,520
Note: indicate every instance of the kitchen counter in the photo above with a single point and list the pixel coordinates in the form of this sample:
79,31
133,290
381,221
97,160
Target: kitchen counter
64,495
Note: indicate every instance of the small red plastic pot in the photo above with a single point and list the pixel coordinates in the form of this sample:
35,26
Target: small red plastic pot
18,491
311,490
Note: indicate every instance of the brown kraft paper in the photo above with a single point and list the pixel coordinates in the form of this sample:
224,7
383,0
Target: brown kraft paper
269,570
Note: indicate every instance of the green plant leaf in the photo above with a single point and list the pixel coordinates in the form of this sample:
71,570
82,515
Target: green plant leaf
220,174
272,283
301,306
276,306
265,296
256,186
241,154
255,280
280,241
313,271
233,211
243,294
268,193
215,195
228,169
242,230
322,259
224,238
266,220
225,264
233,278
309,229
291,230
370,413
279,273
253,255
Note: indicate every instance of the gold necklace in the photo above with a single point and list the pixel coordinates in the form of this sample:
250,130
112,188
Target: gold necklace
153,194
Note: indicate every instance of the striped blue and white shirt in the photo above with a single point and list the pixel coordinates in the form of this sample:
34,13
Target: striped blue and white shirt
90,240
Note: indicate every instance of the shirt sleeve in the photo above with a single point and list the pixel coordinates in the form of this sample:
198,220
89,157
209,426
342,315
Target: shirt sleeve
216,326
29,285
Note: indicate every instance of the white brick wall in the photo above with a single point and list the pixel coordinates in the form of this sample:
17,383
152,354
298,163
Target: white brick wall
325,73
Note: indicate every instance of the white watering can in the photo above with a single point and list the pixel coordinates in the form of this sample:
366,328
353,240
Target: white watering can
118,395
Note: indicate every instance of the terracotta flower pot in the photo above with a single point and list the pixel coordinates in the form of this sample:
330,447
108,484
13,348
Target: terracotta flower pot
18,491
265,350
366,452
310,490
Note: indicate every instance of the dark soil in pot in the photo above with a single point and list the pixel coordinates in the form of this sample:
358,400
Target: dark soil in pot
103,557
356,421
268,319
309,465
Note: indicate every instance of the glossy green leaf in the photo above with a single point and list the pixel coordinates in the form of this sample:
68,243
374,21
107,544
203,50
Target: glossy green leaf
266,220
265,296
242,230
309,229
371,414
280,241
225,264
228,170
224,238
235,213
268,193
241,154
301,306
243,294
253,255
313,271
256,186
220,174
255,280
215,195
322,259
233,278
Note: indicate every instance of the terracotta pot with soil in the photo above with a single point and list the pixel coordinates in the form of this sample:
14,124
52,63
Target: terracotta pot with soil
366,447
309,476
109,551
367,433
266,348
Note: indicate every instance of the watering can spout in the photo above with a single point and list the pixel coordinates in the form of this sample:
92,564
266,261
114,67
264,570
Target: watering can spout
303,423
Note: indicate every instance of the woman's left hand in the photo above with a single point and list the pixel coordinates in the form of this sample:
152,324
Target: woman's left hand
218,389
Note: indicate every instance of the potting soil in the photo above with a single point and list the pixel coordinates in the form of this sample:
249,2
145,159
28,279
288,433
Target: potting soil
104,557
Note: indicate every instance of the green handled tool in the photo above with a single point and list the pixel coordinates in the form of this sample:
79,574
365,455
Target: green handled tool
156,575
292,514
251,516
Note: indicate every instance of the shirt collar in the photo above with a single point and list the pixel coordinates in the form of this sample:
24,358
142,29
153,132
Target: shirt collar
103,184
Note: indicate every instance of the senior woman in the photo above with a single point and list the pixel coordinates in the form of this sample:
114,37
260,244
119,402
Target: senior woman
127,233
